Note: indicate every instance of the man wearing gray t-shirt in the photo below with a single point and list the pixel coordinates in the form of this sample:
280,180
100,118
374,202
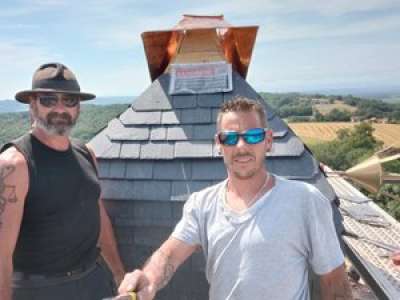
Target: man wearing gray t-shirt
260,233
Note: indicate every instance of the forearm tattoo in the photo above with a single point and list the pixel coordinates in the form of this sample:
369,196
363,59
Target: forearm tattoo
347,294
7,192
161,262
343,291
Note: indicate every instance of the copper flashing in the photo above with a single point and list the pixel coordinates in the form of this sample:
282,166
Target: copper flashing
236,43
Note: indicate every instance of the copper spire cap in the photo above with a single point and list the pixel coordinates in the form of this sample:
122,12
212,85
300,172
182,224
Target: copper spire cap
236,42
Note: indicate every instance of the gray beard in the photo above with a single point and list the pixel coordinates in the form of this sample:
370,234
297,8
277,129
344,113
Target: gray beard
52,127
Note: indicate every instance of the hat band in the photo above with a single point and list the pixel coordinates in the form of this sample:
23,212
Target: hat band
64,85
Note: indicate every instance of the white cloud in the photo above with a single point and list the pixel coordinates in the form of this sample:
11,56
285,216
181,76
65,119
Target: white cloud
19,59
130,79
272,7
279,31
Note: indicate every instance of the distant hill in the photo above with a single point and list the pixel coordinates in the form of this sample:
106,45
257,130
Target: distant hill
7,106
379,93
112,100
92,119
11,106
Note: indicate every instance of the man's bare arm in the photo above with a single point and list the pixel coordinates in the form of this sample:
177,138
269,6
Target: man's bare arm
107,242
335,285
13,188
158,270
108,246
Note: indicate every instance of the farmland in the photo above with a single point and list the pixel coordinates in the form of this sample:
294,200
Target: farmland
326,108
314,132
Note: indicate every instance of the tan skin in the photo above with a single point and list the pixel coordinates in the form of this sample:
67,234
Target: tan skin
15,183
246,175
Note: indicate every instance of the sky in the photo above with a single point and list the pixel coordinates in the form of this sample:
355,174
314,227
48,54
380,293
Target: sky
302,45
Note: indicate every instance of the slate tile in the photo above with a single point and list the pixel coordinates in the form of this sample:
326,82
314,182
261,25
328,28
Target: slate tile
117,208
124,235
177,133
130,134
214,115
194,116
171,117
155,150
139,169
117,189
151,236
103,168
289,145
131,117
113,151
117,169
152,190
100,144
295,167
208,170
155,97
193,149
158,133
173,170
279,127
184,101
177,208
130,150
144,210
210,100
181,190
204,132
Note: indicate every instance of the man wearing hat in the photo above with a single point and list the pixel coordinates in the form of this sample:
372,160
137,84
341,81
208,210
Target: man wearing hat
54,231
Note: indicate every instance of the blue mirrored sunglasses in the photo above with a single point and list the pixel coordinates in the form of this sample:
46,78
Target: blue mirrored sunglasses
251,136
51,100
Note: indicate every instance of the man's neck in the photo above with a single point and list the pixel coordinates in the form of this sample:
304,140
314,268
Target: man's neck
248,186
242,193
56,142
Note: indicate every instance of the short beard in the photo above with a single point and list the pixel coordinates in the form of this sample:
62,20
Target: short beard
242,175
55,123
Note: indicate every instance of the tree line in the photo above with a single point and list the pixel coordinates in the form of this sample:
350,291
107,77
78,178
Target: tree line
92,119
299,107
353,146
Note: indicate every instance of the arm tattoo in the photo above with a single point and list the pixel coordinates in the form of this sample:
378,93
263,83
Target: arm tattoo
161,261
344,292
7,192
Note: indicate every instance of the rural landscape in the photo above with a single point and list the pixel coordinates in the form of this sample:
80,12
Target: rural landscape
341,131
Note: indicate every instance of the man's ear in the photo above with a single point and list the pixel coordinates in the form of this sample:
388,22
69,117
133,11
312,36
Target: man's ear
269,137
217,145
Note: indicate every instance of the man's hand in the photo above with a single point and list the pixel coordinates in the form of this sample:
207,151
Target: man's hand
138,282
158,270
396,258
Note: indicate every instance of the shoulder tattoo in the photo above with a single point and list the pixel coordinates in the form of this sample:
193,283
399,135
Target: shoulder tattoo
7,192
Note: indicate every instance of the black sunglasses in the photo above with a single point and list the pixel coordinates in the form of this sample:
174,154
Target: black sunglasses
52,100
251,136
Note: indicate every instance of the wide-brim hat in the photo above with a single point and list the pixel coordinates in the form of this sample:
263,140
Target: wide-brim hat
53,78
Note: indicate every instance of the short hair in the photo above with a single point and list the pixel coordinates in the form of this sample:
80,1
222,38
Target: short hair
242,104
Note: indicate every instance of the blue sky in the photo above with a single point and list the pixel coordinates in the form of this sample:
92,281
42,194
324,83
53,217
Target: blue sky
302,45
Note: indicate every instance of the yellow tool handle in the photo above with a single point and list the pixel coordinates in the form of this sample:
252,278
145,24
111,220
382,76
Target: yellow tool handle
133,295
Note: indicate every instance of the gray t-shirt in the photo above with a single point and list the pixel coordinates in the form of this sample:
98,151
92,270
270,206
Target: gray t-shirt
264,252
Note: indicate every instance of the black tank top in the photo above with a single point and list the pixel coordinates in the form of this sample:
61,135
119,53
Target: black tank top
61,221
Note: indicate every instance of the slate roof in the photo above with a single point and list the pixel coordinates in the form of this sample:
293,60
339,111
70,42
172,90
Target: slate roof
162,147
374,227
159,151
